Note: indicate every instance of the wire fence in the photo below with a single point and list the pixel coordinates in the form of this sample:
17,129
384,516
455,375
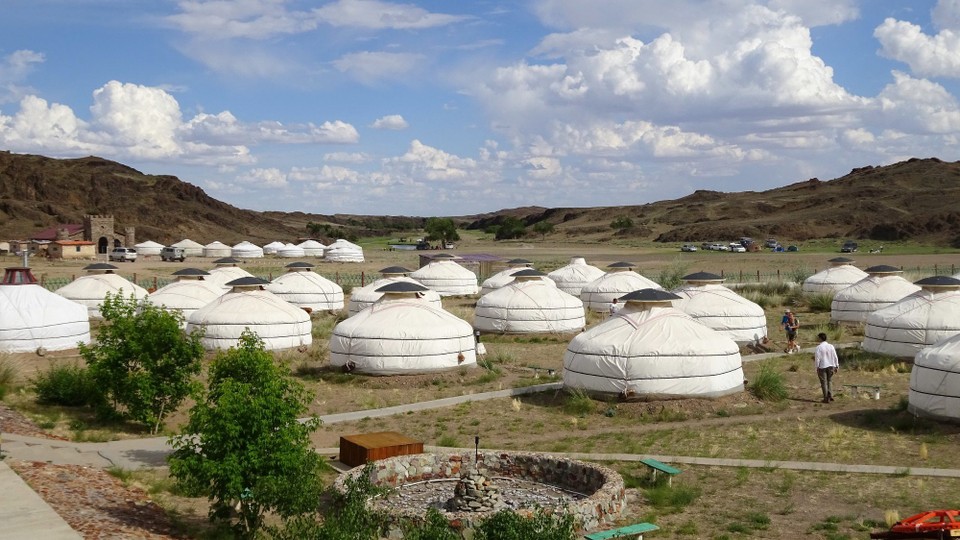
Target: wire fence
347,280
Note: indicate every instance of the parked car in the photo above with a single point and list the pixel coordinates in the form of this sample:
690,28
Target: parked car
706,246
772,243
737,247
848,247
793,248
688,247
123,254
721,247
173,254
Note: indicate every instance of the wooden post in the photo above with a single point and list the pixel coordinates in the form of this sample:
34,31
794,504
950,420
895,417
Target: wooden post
154,282
363,276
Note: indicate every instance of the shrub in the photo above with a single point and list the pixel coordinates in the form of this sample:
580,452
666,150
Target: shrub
69,385
434,527
672,277
673,498
508,525
819,302
769,384
578,403
9,371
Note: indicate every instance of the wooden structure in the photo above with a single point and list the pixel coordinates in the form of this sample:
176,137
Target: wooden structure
357,450
660,467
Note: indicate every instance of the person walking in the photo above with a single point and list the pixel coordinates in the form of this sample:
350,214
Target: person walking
791,324
826,361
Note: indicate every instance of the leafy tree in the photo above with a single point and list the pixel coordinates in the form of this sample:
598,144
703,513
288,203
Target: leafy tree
543,228
243,444
442,229
508,525
621,223
510,227
142,364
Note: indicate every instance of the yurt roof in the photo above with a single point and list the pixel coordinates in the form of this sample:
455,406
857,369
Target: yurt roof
300,264
395,270
191,272
100,266
938,282
883,269
702,276
188,243
246,244
311,244
649,295
840,260
149,244
274,244
529,272
621,264
247,282
18,275
402,287
519,261
226,260
33,317
216,244
443,256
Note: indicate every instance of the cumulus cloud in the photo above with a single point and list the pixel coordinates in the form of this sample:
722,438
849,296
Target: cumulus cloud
392,122
431,163
14,69
933,56
376,15
260,178
347,157
370,67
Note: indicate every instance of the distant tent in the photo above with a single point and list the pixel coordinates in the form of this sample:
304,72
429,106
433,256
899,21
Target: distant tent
148,248
882,287
190,292
620,280
272,247
307,289
651,350
217,249
312,248
190,248
226,270
935,381
529,305
505,277
925,317
246,250
704,298
343,251
291,251
402,333
249,307
91,289
840,275
363,297
443,275
33,318
572,277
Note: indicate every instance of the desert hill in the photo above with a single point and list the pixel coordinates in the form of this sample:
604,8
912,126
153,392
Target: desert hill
918,199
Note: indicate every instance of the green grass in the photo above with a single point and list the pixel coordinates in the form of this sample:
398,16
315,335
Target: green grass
9,372
819,302
672,499
860,360
578,403
769,384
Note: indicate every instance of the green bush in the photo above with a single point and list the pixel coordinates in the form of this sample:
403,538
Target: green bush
578,403
671,277
769,384
434,527
69,385
819,302
508,525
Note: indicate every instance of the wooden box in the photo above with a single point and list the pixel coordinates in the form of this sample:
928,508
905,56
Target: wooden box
356,450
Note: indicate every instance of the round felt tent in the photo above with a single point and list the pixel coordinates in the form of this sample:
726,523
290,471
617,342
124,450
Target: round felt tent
307,289
443,275
402,333
651,350
620,280
148,248
343,251
190,292
572,277
248,305
226,270
312,248
529,305
838,276
919,320
272,247
290,251
190,248
91,289
504,276
246,250
217,249
704,298
882,287
34,319
935,381
363,297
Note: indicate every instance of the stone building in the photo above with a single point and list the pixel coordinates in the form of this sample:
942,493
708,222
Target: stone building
100,230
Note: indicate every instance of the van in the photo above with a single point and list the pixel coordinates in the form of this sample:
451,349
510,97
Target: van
172,254
123,254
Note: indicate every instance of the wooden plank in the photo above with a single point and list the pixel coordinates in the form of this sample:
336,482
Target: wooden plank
660,466
635,529
359,449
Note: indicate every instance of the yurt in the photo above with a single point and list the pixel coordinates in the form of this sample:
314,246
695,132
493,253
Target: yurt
91,289
312,248
529,305
925,317
343,251
704,298
33,319
225,271
882,287
402,333
505,277
190,248
620,280
291,251
840,275
363,297
248,306
217,250
148,248
246,250
307,289
935,381
443,275
190,292
651,350
272,247
572,277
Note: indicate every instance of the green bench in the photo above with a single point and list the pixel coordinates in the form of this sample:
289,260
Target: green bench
636,530
660,467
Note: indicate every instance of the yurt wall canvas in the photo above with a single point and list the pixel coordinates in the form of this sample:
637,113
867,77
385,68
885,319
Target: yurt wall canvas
343,251
935,381
190,248
919,320
572,277
33,318
529,306
148,248
91,290
364,297
217,249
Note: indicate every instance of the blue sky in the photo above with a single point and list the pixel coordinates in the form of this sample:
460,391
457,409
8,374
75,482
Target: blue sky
451,108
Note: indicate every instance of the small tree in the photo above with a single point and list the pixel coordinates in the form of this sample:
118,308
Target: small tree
510,227
243,444
142,363
442,229
543,228
621,223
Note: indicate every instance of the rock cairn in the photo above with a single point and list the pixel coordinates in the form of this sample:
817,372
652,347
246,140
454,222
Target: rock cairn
475,493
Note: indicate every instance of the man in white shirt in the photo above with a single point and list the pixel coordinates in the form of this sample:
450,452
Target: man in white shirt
826,361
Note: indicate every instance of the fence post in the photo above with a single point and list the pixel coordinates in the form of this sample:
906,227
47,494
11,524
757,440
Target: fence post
758,276
721,273
154,282
778,274
363,276
134,277
337,277
270,275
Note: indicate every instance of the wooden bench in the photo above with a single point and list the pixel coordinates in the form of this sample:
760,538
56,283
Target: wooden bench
636,530
660,467
875,389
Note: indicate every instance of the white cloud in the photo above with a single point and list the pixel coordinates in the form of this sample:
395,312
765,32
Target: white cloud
326,174
376,15
259,178
14,69
934,56
42,127
142,119
370,67
252,19
391,122
347,157
429,163
919,106
946,15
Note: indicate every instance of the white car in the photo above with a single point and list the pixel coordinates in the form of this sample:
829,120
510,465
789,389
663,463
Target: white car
123,254
688,247
737,247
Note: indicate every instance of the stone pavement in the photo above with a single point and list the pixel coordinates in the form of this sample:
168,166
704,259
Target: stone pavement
24,515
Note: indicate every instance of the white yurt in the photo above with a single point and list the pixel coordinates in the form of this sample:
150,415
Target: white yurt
402,333
838,276
651,350
505,277
620,280
529,305
925,317
272,247
704,298
443,275
343,251
217,250
572,277
91,289
225,271
190,292
246,250
312,248
935,381
291,251
148,248
33,319
307,289
882,287
248,306
363,297
190,248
